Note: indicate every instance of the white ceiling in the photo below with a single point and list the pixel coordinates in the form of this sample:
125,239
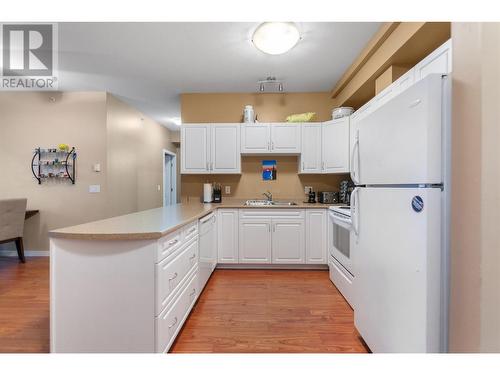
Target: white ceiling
149,64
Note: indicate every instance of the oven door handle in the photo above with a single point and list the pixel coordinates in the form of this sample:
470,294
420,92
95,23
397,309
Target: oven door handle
344,223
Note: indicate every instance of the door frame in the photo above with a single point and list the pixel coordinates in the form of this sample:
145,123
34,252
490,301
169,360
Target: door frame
166,152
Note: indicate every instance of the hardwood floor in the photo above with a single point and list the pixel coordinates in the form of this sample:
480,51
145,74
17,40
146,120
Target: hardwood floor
269,312
24,305
239,311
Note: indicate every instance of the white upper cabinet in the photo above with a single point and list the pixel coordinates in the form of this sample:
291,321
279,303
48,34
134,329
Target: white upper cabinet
311,157
225,148
438,61
335,146
275,138
210,148
255,138
195,148
285,138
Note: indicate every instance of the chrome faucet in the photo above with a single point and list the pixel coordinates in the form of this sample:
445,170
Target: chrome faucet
268,195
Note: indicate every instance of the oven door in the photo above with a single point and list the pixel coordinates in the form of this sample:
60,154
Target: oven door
339,229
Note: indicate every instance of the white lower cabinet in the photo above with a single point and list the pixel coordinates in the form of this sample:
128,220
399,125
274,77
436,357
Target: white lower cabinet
288,241
227,236
169,323
255,241
316,237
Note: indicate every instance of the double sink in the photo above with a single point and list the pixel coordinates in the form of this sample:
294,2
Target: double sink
266,202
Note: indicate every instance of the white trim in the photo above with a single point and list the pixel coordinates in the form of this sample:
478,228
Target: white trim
27,253
174,176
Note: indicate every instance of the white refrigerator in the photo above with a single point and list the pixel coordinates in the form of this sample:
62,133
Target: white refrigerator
400,209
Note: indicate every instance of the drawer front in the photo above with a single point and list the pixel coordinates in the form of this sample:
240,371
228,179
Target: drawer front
171,272
271,213
342,280
190,231
168,244
170,322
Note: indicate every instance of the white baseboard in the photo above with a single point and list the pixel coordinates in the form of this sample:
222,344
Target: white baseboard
27,253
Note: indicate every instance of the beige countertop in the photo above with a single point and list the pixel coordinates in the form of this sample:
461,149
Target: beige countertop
157,222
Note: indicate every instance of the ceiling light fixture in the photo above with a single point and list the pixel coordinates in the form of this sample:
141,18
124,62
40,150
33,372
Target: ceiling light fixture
276,38
270,83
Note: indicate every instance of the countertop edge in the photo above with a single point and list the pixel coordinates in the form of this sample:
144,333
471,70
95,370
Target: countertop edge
154,235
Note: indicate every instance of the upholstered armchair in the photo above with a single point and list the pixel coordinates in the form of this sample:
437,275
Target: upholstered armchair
12,212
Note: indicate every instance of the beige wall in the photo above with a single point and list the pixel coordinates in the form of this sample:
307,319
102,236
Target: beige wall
135,145
228,107
475,238
30,120
103,130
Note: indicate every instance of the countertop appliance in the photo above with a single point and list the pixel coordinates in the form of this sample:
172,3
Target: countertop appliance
217,193
311,197
339,258
328,197
400,208
208,248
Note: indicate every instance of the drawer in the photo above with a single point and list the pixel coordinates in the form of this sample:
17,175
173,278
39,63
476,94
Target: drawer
170,321
271,213
168,244
342,279
172,272
190,231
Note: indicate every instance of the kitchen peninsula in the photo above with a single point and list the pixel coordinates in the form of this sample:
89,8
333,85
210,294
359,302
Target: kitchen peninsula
128,283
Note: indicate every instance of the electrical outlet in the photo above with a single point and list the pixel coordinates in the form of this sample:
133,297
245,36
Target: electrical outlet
307,189
227,189
94,188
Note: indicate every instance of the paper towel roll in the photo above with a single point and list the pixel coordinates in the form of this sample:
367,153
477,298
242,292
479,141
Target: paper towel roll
207,193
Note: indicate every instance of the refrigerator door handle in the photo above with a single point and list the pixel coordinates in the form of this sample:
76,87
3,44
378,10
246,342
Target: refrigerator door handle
354,174
354,212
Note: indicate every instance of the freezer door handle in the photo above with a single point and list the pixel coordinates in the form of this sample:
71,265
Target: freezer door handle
355,211
355,147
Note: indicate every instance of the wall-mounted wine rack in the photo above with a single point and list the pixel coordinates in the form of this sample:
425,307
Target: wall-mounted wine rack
54,163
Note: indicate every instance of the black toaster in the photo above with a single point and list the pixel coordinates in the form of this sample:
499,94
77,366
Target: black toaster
328,197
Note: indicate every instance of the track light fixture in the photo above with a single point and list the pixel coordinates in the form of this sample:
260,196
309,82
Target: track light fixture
270,84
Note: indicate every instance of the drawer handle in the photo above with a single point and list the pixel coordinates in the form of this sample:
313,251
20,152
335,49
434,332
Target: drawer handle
173,277
193,292
192,230
173,324
192,257
173,242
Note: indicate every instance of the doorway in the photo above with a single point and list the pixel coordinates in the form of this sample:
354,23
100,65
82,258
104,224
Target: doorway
169,178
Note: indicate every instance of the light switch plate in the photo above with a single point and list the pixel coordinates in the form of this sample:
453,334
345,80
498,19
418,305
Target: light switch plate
94,188
228,189
97,167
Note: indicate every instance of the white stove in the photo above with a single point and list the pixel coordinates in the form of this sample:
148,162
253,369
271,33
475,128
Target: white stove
344,210
339,260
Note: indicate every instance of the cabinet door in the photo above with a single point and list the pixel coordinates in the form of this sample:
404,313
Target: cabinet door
438,61
225,147
227,236
195,148
255,139
336,146
255,241
310,157
285,138
288,241
316,237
